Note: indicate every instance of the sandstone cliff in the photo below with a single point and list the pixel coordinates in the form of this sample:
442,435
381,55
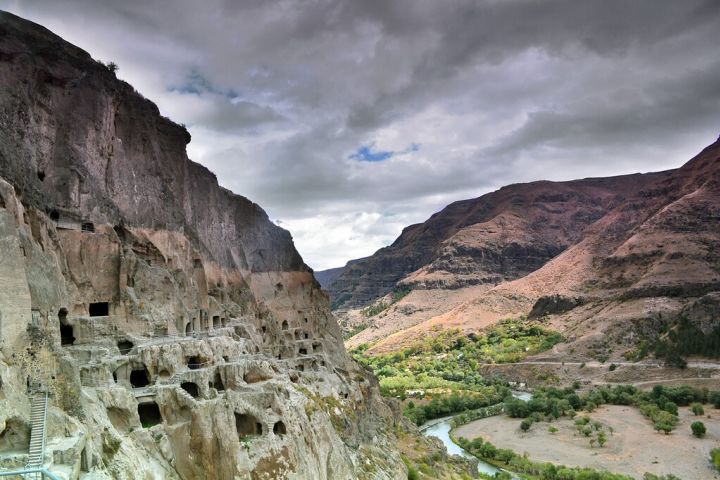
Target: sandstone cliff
177,329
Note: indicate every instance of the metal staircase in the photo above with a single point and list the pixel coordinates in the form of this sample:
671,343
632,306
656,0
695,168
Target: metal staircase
38,420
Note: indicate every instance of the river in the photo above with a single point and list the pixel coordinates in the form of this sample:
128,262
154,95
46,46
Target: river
440,428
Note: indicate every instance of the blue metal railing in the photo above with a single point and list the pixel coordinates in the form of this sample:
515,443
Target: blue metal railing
25,471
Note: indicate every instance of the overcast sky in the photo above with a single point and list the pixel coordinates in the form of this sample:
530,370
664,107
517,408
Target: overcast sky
348,120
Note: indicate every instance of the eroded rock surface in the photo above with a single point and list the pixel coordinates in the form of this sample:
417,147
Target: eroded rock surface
178,330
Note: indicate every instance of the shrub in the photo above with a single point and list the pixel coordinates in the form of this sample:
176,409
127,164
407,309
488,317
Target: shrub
552,429
697,409
698,429
526,424
671,407
413,474
613,367
111,66
715,458
714,398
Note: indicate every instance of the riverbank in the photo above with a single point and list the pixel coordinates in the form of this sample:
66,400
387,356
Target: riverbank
632,449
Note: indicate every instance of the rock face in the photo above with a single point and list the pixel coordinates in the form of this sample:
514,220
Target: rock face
178,330
500,236
607,260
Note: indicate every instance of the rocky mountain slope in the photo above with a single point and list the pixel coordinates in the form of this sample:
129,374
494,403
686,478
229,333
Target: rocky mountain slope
603,260
177,329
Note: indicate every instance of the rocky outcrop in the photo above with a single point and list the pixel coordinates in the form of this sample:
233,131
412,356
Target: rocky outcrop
553,304
178,330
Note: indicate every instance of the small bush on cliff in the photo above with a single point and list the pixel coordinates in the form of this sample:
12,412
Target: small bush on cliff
111,66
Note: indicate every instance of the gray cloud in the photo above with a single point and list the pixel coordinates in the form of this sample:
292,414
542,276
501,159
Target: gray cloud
278,95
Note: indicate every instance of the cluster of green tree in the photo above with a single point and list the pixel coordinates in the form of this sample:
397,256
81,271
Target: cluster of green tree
449,359
660,405
587,427
380,306
685,339
443,406
477,414
522,464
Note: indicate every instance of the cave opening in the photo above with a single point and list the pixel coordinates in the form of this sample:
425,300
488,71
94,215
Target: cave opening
54,215
215,321
149,414
15,436
99,309
188,329
66,331
41,175
218,383
285,325
125,346
139,378
279,428
223,322
317,347
247,425
193,363
87,227
302,351
191,388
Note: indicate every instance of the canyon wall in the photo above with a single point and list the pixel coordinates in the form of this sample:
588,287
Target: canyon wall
176,327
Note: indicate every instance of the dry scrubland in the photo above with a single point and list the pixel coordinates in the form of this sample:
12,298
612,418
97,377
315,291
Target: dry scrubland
633,449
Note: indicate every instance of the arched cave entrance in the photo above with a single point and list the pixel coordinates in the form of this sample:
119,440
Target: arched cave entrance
149,414
139,378
215,321
188,329
285,325
246,425
191,388
279,428
125,346
193,363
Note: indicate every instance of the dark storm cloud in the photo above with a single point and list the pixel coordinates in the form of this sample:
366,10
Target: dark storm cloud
283,96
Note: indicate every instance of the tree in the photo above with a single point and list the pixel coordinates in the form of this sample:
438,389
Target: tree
526,424
112,66
601,439
697,409
698,429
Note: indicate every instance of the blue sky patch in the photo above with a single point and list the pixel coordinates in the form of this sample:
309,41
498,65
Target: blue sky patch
367,153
